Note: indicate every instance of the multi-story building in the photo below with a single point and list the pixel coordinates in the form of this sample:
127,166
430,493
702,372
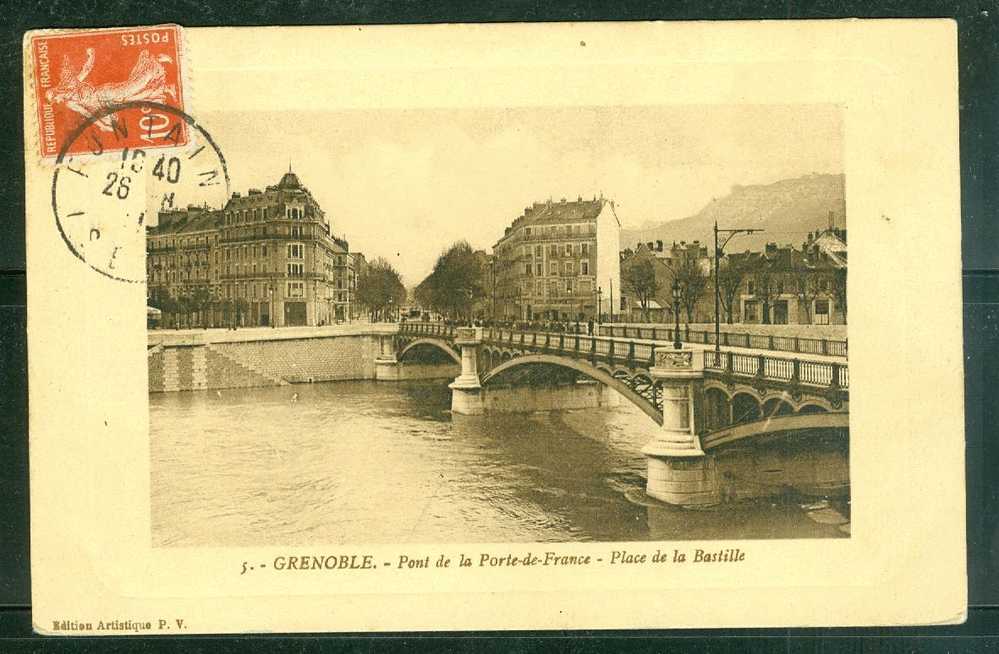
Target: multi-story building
559,260
266,258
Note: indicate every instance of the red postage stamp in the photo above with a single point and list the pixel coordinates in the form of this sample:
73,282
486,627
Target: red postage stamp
81,75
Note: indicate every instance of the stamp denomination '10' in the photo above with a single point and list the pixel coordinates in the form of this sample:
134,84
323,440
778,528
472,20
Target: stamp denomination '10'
78,75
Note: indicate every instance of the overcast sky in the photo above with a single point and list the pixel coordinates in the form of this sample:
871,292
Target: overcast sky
405,184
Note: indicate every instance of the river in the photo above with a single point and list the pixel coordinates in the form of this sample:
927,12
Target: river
373,463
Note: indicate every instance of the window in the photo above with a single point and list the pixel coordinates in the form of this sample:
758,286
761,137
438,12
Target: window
296,289
538,250
568,286
750,311
527,269
296,269
584,267
553,250
527,231
585,249
540,289
539,269
569,268
295,250
821,312
568,249
780,287
553,268
751,288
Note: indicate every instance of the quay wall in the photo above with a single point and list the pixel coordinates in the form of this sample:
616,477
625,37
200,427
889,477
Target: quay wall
215,359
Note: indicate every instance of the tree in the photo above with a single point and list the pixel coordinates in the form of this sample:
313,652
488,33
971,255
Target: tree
807,287
839,289
692,280
201,298
765,290
731,273
380,289
456,282
640,278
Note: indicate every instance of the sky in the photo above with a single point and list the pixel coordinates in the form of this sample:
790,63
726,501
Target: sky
404,184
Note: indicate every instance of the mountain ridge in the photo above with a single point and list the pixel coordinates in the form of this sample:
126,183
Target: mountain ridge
786,210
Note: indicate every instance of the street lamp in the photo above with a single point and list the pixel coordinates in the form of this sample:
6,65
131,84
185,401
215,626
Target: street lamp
718,252
676,314
600,293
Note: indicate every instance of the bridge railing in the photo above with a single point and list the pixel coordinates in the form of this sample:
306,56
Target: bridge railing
639,354
809,373
798,344
438,329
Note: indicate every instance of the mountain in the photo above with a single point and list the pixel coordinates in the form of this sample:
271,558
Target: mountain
786,210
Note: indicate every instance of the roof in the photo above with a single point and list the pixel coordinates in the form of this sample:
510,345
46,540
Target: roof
560,212
186,221
289,180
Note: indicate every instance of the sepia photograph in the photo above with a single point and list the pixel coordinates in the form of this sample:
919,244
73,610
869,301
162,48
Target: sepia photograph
504,325
491,327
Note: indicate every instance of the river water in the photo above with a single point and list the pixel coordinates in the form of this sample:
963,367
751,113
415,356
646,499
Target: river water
370,463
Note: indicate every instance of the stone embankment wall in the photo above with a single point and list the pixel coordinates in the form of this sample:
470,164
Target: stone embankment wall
181,361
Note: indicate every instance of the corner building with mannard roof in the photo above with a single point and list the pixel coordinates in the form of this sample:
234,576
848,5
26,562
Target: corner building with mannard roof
266,258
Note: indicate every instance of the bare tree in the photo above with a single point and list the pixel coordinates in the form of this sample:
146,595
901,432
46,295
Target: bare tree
765,290
641,279
839,289
692,280
807,287
731,273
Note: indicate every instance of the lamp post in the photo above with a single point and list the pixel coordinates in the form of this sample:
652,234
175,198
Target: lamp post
676,315
600,294
270,304
718,252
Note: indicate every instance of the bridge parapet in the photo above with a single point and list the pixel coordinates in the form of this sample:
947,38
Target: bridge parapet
633,356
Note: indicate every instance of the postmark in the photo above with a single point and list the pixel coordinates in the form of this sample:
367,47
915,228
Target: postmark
80,74
106,194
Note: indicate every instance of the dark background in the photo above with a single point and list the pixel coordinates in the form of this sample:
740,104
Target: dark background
978,34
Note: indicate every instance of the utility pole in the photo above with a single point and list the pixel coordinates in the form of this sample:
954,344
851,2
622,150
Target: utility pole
718,252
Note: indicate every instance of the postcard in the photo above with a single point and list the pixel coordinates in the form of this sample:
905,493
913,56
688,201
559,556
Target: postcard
493,327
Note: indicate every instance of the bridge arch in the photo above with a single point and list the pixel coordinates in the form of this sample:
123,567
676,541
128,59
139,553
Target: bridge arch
597,373
440,345
746,407
790,424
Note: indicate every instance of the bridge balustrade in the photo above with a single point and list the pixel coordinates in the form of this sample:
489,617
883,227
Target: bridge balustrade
776,343
640,353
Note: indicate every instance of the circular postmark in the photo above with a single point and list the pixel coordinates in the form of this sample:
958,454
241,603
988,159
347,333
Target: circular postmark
103,201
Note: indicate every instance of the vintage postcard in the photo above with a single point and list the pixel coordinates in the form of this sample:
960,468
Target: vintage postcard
494,327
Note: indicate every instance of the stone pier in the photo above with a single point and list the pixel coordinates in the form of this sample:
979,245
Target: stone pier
466,390
679,472
386,365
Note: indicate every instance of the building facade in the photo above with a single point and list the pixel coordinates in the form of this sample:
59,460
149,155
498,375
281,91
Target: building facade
267,258
666,260
558,261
